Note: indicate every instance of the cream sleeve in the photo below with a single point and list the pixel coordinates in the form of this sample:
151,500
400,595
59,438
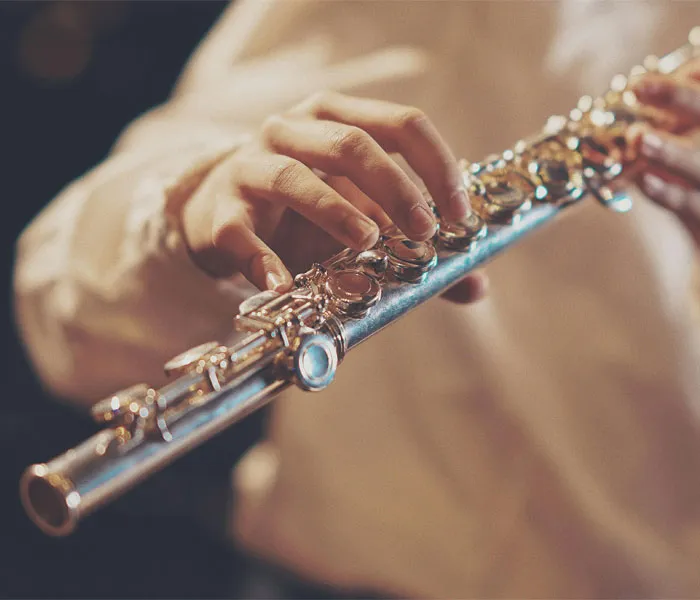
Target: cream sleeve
104,288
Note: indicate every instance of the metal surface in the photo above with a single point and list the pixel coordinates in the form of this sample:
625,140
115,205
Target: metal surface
301,336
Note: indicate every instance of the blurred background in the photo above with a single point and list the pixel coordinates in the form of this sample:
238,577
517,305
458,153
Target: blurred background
72,75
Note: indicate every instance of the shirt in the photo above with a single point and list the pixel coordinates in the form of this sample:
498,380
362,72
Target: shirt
543,443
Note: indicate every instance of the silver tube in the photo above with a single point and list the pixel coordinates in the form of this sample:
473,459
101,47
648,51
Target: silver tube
397,300
58,494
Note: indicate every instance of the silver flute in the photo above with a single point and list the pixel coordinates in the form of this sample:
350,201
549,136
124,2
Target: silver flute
301,336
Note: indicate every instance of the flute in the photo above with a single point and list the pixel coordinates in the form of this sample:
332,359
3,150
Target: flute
300,337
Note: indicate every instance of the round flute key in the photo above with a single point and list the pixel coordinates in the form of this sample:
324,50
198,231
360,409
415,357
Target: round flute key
314,362
461,236
373,259
409,260
560,182
499,191
352,293
555,165
505,198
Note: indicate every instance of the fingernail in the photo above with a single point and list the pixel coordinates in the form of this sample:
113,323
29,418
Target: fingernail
421,221
652,145
653,183
693,204
458,204
688,98
664,193
274,281
363,231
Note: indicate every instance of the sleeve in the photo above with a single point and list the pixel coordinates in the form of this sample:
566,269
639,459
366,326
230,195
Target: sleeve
104,289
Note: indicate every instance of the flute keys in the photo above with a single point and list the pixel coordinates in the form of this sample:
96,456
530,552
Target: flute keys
352,292
409,260
374,260
461,236
134,413
556,167
122,407
314,362
498,190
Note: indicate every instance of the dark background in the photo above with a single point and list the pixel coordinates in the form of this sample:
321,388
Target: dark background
72,75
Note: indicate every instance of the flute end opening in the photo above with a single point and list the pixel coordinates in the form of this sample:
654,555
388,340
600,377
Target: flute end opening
50,500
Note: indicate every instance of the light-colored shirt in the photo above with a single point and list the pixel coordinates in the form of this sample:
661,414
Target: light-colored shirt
543,443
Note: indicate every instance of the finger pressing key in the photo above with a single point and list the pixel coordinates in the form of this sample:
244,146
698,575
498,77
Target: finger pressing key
671,94
673,152
285,181
408,131
340,149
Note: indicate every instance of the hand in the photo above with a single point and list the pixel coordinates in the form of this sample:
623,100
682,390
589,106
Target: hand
671,175
318,178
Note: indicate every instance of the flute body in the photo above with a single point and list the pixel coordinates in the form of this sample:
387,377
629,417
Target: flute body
301,337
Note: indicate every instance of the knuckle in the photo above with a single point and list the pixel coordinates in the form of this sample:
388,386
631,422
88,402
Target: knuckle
323,203
224,232
271,127
317,101
348,143
285,174
410,118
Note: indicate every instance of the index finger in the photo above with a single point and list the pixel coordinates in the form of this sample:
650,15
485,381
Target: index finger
408,131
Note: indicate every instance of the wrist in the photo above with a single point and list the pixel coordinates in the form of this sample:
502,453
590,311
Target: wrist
185,208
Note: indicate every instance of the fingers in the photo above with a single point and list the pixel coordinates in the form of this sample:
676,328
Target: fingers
219,235
683,201
348,190
679,96
327,164
671,174
242,251
405,130
665,91
285,181
472,288
340,149
675,153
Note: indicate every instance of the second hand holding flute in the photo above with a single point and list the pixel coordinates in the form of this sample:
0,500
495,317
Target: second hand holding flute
301,336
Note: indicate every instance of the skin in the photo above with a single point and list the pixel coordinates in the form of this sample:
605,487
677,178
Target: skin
318,178
321,177
671,153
